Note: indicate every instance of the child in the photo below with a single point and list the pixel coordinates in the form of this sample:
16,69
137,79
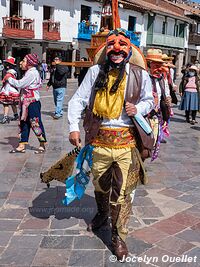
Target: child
8,94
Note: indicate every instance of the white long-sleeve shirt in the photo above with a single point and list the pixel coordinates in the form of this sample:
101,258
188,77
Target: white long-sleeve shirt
81,99
30,81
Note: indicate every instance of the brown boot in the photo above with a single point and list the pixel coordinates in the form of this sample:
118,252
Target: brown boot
119,246
101,217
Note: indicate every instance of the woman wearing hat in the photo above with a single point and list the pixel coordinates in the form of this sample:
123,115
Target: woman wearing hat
30,106
190,94
8,94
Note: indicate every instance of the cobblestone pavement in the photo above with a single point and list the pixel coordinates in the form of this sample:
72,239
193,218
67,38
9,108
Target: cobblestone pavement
37,230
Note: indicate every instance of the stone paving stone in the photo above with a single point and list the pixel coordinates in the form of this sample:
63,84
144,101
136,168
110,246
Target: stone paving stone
25,241
9,225
190,235
185,219
169,227
34,223
86,242
86,258
18,256
170,193
5,237
146,212
51,257
149,221
175,245
64,223
143,201
149,234
189,198
137,246
57,242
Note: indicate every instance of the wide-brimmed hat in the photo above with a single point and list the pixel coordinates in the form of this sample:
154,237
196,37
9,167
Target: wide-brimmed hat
165,57
154,55
193,67
137,58
10,60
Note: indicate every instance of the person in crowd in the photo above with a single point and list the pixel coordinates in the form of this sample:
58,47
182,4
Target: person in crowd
162,99
8,94
58,80
189,90
82,73
44,69
30,105
113,92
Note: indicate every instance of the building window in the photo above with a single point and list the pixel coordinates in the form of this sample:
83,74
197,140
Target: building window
132,24
164,27
48,12
15,8
85,13
181,30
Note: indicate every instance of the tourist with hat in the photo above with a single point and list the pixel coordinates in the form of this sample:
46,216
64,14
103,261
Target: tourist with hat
113,91
9,95
161,113
190,90
30,106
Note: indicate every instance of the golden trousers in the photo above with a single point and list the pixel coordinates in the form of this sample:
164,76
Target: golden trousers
117,170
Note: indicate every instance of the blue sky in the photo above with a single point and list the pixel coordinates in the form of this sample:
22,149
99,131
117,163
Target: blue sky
198,1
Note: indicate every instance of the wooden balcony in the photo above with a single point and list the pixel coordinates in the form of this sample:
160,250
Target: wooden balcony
86,30
51,31
15,27
194,38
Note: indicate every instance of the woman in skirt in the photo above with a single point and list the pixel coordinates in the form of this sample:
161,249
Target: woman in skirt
30,106
9,95
189,90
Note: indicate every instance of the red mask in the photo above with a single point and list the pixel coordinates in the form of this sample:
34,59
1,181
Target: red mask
156,69
118,48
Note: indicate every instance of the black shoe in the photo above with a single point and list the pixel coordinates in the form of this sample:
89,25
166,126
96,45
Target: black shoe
5,119
15,118
163,141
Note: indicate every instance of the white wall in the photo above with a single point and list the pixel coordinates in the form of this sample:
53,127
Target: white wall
4,11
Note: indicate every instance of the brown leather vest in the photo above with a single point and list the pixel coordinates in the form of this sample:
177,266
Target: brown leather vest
92,123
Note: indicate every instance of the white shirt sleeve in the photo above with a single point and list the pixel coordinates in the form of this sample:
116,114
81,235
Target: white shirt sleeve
80,99
146,102
28,79
167,91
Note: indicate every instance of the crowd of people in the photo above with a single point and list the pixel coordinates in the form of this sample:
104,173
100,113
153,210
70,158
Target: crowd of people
122,97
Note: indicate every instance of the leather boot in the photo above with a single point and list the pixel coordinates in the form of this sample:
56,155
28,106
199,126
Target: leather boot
101,217
119,246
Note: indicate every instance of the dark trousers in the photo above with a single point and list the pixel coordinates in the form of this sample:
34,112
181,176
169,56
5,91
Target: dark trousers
34,122
187,114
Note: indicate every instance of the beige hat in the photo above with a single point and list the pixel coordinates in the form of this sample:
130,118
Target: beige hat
154,55
193,67
165,57
136,58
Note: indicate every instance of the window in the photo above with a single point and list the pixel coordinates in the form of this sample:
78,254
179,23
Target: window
131,23
48,12
164,27
181,30
85,13
15,8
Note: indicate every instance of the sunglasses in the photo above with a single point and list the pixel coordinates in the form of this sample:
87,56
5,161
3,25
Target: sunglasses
120,31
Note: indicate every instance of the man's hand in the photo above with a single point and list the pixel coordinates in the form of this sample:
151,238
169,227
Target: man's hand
47,88
74,138
168,101
131,109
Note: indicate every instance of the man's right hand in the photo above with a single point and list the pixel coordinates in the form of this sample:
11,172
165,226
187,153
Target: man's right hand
74,138
47,88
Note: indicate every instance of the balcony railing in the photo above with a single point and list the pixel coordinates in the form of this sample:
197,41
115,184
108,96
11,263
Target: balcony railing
194,38
85,30
165,40
135,38
51,30
18,27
